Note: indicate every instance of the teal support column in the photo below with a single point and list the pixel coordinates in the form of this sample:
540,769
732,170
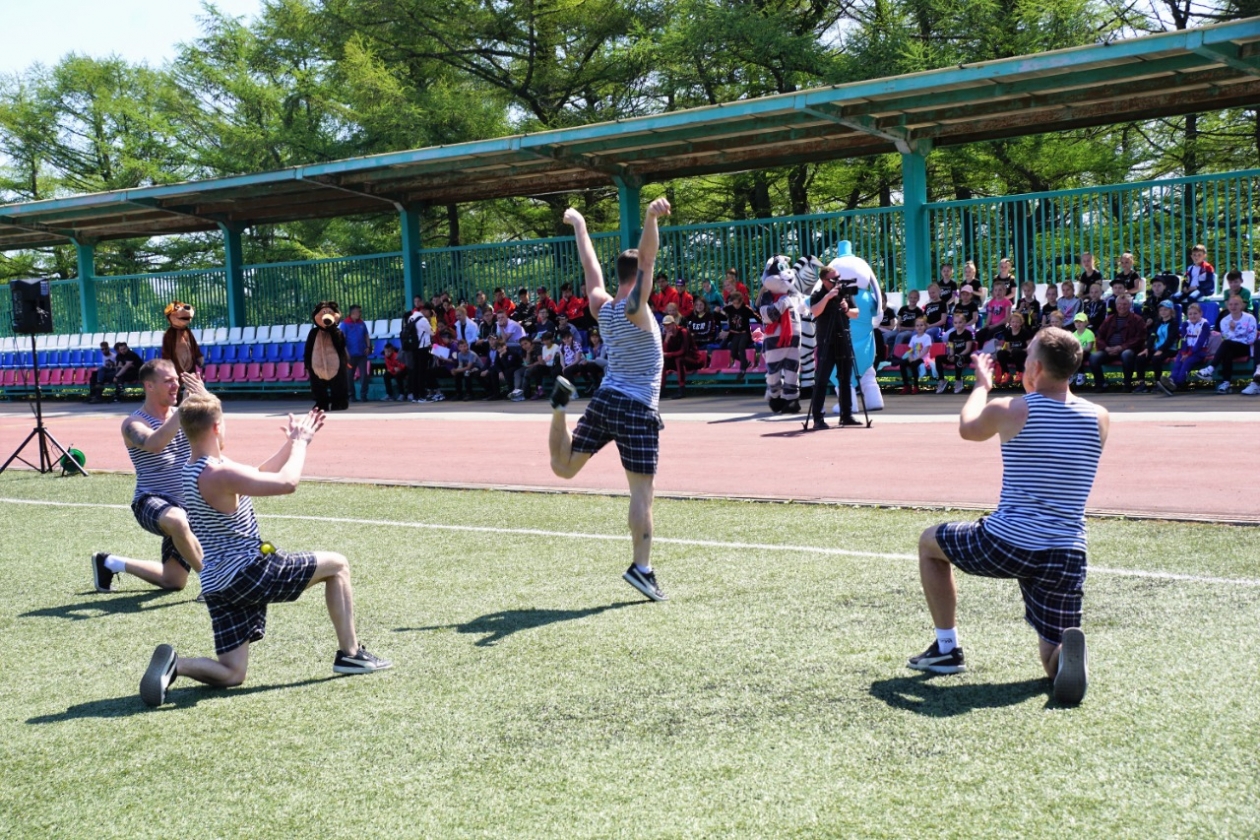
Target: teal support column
413,279
234,267
87,285
629,197
914,198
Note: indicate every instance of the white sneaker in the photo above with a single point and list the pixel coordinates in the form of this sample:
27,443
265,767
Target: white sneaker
1225,388
941,386
1252,390
958,386
1205,374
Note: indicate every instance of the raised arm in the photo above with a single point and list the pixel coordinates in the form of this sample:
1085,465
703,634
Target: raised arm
280,474
596,294
649,244
981,419
137,435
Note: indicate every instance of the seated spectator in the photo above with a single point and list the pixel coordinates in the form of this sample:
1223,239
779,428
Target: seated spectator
671,310
544,301
480,306
686,302
971,277
573,308
907,319
997,313
936,313
738,333
1134,283
486,326
662,295
126,368
466,328
542,323
563,325
1028,307
591,366
887,332
681,354
1238,336
711,295
1159,292
395,375
1087,340
1094,307
1089,276
1234,288
547,364
703,325
1012,349
502,363
1161,345
1056,320
1196,335
1120,338
1117,289
571,356
531,354
917,361
732,284
467,370
523,314
1200,278
967,306
103,375
962,344
1007,279
1067,301
512,332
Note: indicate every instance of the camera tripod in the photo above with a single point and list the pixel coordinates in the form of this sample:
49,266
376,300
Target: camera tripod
846,353
43,436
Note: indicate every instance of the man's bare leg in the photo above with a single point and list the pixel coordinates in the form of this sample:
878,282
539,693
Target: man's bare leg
225,671
641,494
1049,657
937,576
174,523
564,461
333,570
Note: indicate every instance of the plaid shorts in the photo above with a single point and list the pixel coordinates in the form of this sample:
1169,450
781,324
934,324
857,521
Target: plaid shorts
1051,580
148,509
636,428
238,611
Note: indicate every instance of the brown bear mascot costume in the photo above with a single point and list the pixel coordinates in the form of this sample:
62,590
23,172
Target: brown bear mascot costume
179,345
326,359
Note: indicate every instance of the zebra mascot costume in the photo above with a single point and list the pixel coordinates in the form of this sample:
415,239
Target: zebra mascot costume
780,306
869,302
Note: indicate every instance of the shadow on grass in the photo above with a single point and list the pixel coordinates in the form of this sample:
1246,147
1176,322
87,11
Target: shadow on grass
103,604
177,698
499,625
922,695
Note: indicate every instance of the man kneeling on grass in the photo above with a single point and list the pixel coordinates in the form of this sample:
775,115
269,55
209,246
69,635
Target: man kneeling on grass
242,574
1037,534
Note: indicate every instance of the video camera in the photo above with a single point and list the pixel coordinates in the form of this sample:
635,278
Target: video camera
847,286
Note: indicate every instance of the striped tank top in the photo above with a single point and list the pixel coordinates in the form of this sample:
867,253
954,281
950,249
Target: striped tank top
1048,470
635,359
228,541
158,473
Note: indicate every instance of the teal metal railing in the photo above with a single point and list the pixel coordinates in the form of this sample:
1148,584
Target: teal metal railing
1158,221
285,293
67,314
134,302
700,252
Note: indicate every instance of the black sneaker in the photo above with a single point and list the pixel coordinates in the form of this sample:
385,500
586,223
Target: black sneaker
815,424
849,420
159,676
939,663
645,582
359,663
562,392
1166,385
101,576
1070,682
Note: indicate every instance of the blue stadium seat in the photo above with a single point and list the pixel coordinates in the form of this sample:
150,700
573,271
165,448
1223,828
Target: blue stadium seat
43,358
272,353
256,353
230,353
6,359
1211,309
76,358
378,347
59,358
213,354
24,359
291,351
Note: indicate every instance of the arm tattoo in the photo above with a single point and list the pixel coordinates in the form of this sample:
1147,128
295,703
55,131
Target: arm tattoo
134,435
635,300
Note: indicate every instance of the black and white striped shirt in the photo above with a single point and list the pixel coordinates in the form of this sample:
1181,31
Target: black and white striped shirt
158,473
1048,470
228,541
635,359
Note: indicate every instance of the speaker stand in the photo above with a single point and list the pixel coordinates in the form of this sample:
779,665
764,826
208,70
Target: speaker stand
40,434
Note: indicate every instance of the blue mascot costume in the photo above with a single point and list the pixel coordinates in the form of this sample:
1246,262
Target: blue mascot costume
869,302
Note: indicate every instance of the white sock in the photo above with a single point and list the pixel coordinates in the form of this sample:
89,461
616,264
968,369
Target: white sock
647,570
115,564
946,640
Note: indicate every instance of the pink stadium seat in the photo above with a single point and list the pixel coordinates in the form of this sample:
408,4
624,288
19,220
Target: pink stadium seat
734,365
284,372
8,378
238,372
268,372
45,376
211,373
82,376
299,371
253,372
56,377
718,360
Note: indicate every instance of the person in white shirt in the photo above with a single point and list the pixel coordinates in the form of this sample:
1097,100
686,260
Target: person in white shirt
508,330
1238,336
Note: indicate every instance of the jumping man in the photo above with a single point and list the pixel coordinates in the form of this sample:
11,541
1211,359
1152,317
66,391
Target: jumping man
158,450
624,408
1037,534
242,575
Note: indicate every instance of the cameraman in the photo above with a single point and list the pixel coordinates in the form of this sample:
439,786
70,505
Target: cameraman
832,307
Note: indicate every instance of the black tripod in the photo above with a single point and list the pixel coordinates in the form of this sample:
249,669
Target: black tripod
44,436
845,341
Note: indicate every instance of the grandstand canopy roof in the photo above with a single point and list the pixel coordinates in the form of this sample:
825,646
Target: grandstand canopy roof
1156,76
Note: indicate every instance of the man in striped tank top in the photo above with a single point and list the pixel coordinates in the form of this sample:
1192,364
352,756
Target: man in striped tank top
158,451
1037,534
625,407
242,574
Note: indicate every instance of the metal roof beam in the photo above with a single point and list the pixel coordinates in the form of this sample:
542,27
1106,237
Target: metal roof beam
593,162
176,210
1231,55
36,227
331,183
865,125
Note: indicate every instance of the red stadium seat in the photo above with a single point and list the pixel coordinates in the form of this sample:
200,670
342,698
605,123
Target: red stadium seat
239,372
719,360
284,372
210,374
253,372
45,376
82,376
299,371
268,372
8,378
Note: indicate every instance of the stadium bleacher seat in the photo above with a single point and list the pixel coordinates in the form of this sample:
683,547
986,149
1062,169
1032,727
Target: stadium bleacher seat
248,335
82,376
256,352
291,351
253,372
234,335
1211,311
284,372
263,334
267,372
271,352
299,371
395,328
239,372
291,332
213,353
210,373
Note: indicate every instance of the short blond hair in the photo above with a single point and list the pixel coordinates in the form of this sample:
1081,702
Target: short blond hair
198,413
1058,351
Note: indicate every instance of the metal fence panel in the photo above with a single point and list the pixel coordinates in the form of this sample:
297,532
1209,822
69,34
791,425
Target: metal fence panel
67,314
135,302
285,293
467,269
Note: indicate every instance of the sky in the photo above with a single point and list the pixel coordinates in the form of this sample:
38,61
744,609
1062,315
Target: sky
137,30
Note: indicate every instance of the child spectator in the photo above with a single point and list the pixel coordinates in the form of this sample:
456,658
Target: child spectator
531,354
548,364
997,313
936,312
1028,307
1087,339
962,344
542,323
1234,288
1200,281
1120,338
395,374
467,370
544,301
523,314
564,325
685,301
948,286
971,277
1006,278
680,353
1196,334
967,306
1117,289
1089,274
663,295
1069,304
1134,283
1238,335
1094,307
1052,305
1161,345
502,362
887,331
917,361
1012,349
908,319
1154,299
592,366
570,349
1056,320
703,325
731,285
738,333
711,296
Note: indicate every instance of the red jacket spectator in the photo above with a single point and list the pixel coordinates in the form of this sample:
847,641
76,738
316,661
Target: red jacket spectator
503,303
571,306
394,363
663,297
544,300
686,305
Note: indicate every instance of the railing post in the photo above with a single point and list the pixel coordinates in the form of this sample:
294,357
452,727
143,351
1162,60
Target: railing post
629,196
413,279
914,197
234,268
86,252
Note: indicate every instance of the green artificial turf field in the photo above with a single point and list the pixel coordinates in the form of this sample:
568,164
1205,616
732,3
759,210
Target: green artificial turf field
535,694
